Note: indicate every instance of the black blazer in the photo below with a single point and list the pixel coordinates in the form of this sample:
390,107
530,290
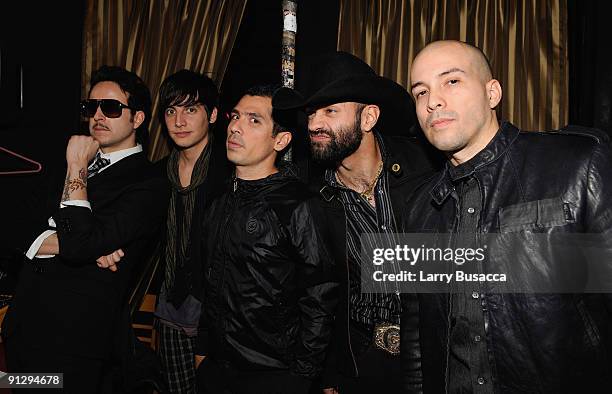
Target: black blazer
68,304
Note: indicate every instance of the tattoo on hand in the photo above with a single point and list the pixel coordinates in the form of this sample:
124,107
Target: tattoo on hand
70,185
83,175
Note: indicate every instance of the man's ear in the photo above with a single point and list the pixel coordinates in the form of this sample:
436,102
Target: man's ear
494,91
139,117
369,117
281,140
213,116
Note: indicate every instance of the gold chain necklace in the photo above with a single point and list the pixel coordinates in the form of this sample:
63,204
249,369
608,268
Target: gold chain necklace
368,193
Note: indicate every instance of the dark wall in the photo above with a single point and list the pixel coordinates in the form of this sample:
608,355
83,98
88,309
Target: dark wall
40,78
590,60
44,46
256,57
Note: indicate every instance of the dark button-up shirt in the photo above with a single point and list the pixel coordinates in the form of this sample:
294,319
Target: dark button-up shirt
468,366
362,218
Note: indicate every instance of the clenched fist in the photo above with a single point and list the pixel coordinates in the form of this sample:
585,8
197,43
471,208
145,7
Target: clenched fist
81,149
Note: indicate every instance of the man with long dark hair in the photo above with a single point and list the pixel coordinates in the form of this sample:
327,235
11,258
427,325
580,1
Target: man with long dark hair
188,109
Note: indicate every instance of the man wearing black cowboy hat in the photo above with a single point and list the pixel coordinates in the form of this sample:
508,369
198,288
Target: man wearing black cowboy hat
366,179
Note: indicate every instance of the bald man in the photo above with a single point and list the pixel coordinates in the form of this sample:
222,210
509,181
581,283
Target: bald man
503,181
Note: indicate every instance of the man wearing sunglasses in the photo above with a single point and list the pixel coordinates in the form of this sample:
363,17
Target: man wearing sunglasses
66,313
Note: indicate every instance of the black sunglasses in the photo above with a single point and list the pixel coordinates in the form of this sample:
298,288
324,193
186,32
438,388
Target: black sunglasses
110,108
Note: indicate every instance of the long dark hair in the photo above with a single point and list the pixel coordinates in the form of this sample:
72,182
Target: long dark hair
185,88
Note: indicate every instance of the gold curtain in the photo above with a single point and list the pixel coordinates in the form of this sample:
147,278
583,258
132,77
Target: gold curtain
155,38
525,40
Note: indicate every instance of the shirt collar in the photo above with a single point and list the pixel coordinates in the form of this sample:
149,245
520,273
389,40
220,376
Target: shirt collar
116,156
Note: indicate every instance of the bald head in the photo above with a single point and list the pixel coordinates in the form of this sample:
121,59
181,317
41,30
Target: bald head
475,56
455,96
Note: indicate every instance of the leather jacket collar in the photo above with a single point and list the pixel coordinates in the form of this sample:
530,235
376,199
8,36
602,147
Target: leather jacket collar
496,148
247,188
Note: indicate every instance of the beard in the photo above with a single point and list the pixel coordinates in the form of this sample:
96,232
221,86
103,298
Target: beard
342,143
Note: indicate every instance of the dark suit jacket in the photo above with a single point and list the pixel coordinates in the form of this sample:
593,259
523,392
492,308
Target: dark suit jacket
68,304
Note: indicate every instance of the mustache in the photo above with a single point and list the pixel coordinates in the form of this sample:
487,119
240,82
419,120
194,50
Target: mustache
100,125
236,139
320,131
440,115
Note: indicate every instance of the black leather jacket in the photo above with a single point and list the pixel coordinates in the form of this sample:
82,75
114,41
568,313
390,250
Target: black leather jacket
541,343
269,289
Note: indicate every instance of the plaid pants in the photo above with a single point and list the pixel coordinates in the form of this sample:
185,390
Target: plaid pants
176,351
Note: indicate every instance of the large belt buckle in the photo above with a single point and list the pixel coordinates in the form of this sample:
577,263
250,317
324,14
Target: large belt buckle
387,337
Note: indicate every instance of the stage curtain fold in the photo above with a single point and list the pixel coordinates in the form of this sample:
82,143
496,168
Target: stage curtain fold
155,38
526,42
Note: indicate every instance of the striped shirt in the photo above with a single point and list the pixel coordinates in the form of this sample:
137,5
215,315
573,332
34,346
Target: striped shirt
362,218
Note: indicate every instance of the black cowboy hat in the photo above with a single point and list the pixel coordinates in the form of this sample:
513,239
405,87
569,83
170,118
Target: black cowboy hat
340,77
